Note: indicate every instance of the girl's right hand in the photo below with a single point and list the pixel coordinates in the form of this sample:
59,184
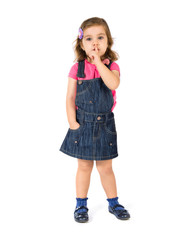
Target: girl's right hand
94,55
74,126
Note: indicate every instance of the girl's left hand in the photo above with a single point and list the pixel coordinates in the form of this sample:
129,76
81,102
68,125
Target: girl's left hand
94,56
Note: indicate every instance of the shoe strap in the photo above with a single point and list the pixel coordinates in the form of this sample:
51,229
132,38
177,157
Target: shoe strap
117,205
81,207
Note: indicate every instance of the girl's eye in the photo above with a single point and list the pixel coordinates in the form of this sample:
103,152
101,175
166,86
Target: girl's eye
88,39
100,37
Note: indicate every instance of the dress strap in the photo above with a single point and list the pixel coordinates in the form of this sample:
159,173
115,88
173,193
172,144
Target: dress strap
81,67
108,66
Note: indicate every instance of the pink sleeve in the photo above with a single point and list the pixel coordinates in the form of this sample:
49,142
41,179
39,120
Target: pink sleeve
115,66
73,72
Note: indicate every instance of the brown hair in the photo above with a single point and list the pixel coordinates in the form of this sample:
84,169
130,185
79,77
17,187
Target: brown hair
80,53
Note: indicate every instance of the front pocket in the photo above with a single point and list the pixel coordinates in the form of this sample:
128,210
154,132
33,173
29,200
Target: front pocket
85,93
110,127
83,86
75,129
75,135
111,140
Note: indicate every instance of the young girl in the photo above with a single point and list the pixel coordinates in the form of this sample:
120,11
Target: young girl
90,100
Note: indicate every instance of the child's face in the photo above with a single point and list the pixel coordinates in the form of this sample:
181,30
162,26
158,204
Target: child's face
95,36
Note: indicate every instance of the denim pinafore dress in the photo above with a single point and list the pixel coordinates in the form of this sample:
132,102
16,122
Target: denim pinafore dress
96,138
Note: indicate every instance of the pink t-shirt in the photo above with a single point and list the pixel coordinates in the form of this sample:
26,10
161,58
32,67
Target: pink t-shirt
92,72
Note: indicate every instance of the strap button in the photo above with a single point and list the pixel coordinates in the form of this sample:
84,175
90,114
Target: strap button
98,118
80,82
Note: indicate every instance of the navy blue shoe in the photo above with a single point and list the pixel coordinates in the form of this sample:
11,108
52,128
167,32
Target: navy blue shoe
121,214
81,217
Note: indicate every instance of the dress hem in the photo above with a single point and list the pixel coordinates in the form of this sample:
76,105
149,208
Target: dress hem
90,158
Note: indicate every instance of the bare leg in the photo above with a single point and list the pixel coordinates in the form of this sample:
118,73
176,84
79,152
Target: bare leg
107,177
83,177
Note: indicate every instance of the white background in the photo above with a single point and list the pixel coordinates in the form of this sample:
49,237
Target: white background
37,181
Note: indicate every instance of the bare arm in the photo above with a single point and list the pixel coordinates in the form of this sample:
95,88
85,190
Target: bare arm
110,78
70,103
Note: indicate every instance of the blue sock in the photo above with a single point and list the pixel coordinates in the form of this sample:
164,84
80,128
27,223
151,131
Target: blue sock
113,202
81,202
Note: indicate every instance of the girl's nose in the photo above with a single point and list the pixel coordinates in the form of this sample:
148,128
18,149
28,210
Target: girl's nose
95,43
